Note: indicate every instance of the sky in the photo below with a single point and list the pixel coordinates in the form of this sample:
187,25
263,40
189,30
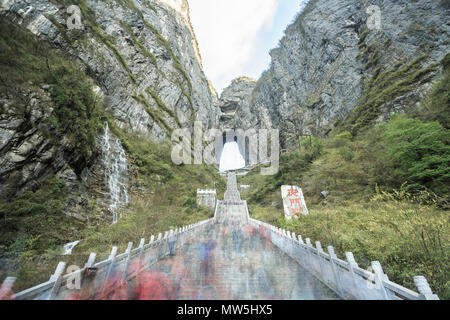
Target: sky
235,36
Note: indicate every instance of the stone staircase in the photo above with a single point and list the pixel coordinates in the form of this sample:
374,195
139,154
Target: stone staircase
230,261
228,257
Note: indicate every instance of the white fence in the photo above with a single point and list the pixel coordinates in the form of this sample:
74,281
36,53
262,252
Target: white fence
345,278
140,258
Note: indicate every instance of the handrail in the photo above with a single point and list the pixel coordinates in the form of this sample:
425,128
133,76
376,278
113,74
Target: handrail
59,277
348,280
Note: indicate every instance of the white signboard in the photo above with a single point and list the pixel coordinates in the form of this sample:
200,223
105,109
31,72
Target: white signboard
293,201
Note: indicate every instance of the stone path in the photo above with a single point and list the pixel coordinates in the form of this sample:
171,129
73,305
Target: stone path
232,261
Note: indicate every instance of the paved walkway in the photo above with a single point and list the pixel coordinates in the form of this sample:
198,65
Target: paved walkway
232,261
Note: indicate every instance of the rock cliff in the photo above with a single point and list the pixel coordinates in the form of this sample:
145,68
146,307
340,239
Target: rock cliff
330,68
143,59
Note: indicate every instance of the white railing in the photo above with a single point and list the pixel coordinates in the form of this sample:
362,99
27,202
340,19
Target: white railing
345,278
57,287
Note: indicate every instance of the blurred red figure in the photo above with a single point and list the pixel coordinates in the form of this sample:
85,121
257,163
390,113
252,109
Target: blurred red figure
248,229
6,294
119,291
74,296
153,285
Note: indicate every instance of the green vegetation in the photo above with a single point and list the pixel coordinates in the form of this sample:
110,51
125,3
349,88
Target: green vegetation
26,62
138,43
389,197
384,87
164,196
90,19
437,106
33,214
155,114
163,106
61,29
161,40
34,224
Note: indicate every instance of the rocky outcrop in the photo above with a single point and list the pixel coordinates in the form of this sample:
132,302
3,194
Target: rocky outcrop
26,154
331,67
142,54
144,60
234,104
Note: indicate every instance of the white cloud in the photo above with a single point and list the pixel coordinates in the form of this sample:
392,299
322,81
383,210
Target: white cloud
227,32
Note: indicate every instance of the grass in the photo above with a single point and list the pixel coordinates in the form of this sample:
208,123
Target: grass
436,107
384,87
388,197
155,114
34,224
138,43
163,42
163,197
162,106
26,62
408,239
90,19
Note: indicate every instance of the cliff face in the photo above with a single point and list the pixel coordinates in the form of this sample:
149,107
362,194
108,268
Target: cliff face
144,63
142,54
145,69
234,105
329,67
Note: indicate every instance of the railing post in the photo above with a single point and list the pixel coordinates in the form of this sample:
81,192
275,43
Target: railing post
141,246
319,255
424,288
57,277
309,247
379,274
6,288
171,242
335,269
91,260
352,265
127,261
141,252
111,259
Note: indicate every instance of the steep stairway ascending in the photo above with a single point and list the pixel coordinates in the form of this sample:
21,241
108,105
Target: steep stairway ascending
232,260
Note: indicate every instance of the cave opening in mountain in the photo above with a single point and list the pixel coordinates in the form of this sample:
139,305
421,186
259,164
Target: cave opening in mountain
231,157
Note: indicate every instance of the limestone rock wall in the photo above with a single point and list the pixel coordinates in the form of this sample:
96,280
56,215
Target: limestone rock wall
330,66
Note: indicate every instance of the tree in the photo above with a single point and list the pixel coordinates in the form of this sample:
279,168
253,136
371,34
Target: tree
293,128
421,151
